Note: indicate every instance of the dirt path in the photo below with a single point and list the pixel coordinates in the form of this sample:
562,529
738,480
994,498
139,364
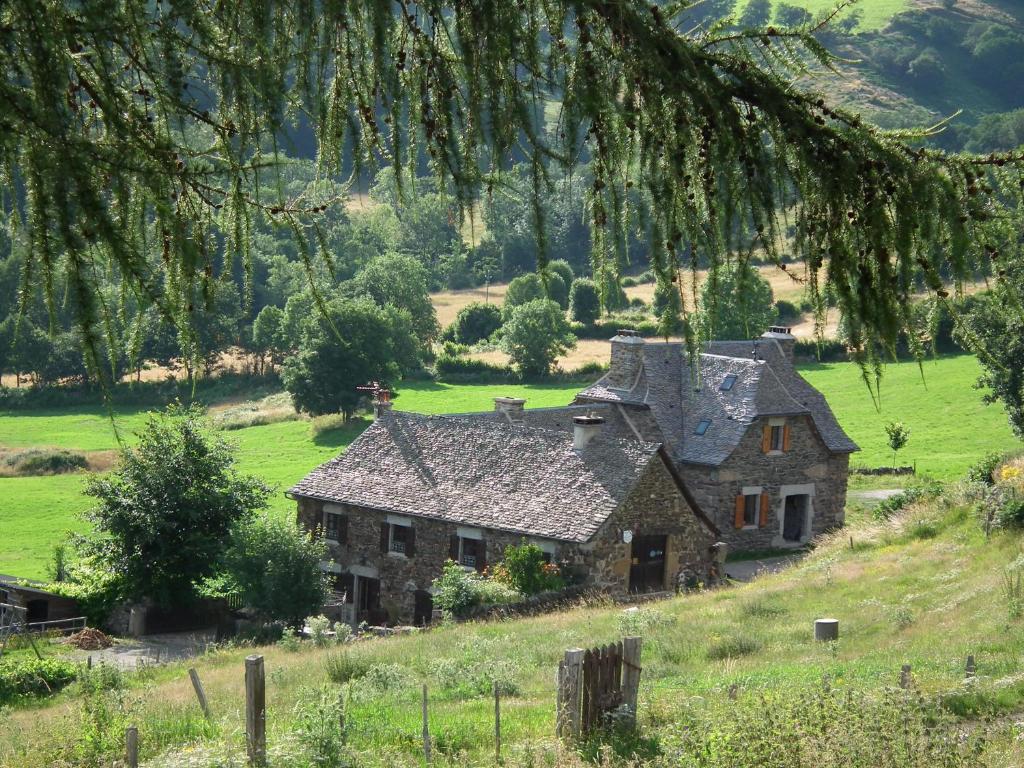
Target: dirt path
152,649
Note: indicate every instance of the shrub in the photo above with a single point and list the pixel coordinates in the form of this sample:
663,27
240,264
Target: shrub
523,568
319,630
1010,513
36,461
584,301
290,640
522,290
787,310
984,470
561,268
317,715
458,590
476,322
447,366
34,677
535,334
345,666
889,507
629,282
386,677
646,277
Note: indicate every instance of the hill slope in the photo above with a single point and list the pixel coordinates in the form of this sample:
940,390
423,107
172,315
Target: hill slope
925,589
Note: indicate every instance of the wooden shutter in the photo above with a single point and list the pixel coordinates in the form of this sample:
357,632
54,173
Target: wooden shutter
453,548
740,509
385,531
785,438
410,542
763,512
766,438
481,555
343,529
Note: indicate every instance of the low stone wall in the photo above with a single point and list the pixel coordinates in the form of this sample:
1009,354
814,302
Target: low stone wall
545,602
882,471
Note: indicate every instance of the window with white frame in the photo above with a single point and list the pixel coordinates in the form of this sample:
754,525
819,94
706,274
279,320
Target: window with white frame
335,527
397,536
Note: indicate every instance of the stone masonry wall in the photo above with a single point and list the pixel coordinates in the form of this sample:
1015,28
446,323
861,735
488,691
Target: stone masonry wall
808,462
654,507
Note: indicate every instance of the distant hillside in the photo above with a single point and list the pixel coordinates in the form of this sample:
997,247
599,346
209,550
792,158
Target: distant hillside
916,62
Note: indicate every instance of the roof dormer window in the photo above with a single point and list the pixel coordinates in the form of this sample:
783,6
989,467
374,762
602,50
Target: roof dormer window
727,382
702,427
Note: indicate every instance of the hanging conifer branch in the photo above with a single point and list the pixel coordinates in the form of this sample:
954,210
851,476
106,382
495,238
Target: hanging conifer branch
133,134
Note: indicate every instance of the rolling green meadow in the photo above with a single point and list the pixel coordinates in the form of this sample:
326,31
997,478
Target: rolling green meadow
950,429
874,14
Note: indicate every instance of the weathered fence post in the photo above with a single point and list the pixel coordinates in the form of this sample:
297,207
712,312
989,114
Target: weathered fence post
200,693
88,663
426,726
733,692
826,629
497,723
131,747
571,670
631,647
905,676
255,711
970,670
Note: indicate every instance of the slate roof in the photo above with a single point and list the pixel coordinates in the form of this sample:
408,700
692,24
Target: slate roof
766,386
484,471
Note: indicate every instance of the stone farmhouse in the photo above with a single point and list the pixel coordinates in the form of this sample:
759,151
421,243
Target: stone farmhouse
757,445
629,488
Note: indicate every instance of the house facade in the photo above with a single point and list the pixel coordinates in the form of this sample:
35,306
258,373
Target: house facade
415,491
757,446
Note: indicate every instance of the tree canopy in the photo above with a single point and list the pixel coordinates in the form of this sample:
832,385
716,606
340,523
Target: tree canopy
141,138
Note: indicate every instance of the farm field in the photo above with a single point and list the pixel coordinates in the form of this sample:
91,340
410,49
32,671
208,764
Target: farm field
36,512
756,637
875,14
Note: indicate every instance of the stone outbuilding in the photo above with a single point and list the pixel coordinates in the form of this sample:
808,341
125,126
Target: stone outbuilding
415,491
757,445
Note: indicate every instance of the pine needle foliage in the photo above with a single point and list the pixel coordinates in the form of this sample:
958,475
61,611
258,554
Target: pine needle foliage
135,134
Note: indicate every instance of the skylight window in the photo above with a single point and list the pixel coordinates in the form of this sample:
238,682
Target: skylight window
703,426
727,382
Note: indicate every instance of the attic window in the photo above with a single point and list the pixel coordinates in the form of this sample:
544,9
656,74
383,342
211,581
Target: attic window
702,427
727,382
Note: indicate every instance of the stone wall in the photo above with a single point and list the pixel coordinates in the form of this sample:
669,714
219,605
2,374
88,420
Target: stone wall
807,463
655,506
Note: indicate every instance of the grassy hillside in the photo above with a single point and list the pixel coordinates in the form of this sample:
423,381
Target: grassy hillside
926,589
950,426
874,14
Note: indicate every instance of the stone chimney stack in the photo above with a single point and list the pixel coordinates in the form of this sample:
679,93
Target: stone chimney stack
785,339
509,405
382,403
585,429
627,359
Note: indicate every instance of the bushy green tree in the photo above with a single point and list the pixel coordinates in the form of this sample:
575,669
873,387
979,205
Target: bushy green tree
556,289
523,289
267,338
792,16
897,434
402,282
563,269
273,565
584,301
756,14
995,327
476,322
535,335
736,303
163,514
353,343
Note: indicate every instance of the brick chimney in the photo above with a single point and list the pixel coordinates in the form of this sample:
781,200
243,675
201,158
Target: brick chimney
627,359
585,429
509,405
785,339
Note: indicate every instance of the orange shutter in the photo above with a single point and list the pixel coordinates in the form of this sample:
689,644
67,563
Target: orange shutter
740,504
766,438
763,516
785,438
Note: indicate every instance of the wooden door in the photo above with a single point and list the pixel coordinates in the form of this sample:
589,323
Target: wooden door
647,570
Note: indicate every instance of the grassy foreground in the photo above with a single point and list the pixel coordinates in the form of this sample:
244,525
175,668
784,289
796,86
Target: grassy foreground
925,589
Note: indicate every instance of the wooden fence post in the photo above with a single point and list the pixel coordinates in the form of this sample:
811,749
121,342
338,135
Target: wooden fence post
571,674
200,693
631,648
131,747
426,726
905,676
970,670
255,711
497,723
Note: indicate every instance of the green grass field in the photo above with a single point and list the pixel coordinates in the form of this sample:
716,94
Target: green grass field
950,427
924,590
950,430
874,14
